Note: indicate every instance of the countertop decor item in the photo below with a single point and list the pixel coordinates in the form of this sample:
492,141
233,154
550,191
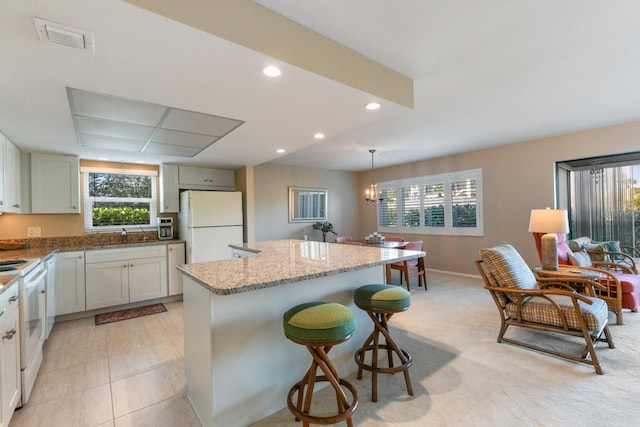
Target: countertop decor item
325,227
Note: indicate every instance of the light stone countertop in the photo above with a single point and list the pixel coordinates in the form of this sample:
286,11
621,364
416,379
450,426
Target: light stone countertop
279,262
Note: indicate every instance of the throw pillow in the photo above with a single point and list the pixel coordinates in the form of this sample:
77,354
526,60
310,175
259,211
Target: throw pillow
580,258
508,268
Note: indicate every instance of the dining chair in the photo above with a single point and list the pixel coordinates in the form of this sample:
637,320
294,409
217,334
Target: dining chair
343,239
403,266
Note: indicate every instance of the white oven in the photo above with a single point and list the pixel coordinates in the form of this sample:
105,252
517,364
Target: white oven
32,323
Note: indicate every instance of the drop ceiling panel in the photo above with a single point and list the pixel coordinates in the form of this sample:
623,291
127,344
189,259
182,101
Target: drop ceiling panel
199,123
110,143
96,105
111,128
183,138
172,150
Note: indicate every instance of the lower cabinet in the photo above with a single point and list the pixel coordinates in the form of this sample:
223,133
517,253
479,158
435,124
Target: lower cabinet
176,256
70,282
120,276
10,387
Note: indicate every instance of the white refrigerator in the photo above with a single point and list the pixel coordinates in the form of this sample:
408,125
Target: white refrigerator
209,221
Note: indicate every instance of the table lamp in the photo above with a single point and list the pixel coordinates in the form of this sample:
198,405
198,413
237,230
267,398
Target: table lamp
549,221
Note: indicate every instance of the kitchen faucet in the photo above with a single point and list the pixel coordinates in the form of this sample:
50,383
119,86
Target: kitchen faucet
144,235
124,235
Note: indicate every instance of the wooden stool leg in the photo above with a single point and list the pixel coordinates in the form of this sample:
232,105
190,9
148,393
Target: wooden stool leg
302,411
380,322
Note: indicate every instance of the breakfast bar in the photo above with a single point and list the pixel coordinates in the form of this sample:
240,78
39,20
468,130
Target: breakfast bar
239,365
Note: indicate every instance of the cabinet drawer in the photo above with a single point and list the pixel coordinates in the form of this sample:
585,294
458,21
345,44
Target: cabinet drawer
119,254
9,296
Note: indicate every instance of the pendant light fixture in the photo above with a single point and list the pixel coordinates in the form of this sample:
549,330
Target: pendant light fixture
372,195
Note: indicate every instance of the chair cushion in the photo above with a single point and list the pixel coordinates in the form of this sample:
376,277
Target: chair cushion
508,268
541,310
319,322
382,297
580,258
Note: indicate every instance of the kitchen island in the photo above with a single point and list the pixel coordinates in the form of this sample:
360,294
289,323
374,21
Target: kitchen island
239,365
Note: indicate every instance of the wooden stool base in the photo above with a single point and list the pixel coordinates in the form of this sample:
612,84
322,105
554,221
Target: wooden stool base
373,345
303,391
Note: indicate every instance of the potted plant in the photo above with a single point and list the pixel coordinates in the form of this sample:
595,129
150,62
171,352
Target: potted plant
325,227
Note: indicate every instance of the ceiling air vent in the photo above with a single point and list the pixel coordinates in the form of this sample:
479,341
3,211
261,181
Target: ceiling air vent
64,35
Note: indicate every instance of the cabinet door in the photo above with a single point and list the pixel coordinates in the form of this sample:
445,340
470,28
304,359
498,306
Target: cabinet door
196,178
10,387
2,196
11,177
176,256
147,278
169,194
107,284
70,282
54,184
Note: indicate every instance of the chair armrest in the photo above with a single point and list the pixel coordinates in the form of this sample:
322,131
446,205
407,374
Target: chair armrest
631,251
629,265
541,292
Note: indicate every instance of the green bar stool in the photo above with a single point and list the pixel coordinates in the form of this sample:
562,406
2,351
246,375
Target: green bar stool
381,302
319,326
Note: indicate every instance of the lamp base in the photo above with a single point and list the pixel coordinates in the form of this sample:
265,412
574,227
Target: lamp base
549,250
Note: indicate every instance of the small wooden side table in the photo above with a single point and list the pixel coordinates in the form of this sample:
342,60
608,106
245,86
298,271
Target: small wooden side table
566,273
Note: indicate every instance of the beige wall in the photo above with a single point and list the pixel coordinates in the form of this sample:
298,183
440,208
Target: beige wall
272,184
516,179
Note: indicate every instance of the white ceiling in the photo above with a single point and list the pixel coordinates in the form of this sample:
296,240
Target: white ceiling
485,73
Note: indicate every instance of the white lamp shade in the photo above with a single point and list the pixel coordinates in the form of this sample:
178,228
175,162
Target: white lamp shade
548,221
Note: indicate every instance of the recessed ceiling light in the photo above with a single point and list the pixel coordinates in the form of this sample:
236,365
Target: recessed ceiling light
319,135
281,150
372,106
271,71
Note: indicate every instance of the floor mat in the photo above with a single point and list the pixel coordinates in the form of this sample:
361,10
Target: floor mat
131,313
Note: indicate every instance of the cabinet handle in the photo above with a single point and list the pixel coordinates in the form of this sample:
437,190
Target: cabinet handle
16,205
1,203
73,207
43,291
124,266
80,257
13,298
1,313
10,334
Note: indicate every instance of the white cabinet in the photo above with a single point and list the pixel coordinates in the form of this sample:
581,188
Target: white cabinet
123,275
70,282
11,202
107,284
2,198
10,385
175,257
50,294
54,184
169,193
197,178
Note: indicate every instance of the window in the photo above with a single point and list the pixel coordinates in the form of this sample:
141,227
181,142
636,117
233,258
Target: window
307,204
448,204
115,198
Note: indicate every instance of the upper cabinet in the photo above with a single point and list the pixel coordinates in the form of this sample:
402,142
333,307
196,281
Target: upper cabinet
169,192
174,178
196,178
10,196
54,184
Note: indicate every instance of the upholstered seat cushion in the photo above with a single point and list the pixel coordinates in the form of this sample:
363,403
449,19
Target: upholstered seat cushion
382,297
541,310
319,322
509,269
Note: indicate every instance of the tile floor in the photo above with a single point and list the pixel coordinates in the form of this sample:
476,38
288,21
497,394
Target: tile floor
128,373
